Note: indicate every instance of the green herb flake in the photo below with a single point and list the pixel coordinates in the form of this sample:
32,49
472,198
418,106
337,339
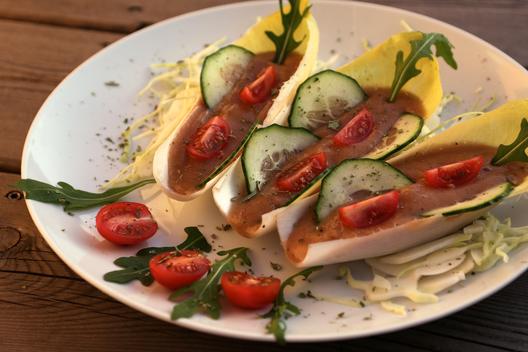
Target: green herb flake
285,43
420,48
111,84
276,266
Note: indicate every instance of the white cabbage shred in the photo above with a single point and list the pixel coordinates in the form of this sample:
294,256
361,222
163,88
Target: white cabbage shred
420,273
177,89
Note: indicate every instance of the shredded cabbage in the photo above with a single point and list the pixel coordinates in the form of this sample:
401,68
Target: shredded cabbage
420,273
177,89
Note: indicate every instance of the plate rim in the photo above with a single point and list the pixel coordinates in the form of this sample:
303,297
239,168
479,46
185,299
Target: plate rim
217,331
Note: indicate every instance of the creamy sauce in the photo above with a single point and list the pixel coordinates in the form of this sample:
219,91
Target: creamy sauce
414,199
245,215
186,173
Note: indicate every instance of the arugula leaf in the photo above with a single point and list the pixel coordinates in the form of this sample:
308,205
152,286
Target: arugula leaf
420,48
73,199
195,240
137,267
515,151
282,309
205,292
285,43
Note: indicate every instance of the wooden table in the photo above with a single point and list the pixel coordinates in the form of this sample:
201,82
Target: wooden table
44,306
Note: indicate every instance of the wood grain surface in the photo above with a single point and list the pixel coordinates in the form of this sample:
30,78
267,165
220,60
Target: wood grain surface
44,306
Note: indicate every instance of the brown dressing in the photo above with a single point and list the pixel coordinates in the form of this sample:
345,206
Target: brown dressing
187,173
414,199
245,215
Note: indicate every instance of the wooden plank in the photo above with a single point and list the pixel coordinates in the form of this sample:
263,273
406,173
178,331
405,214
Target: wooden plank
122,16
31,65
80,312
40,296
498,22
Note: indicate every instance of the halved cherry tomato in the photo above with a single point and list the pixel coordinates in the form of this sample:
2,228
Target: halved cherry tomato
302,173
210,139
356,130
260,89
125,223
179,268
371,211
455,174
250,292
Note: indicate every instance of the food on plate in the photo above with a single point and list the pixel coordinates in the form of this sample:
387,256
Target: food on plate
178,269
369,208
250,292
245,84
125,223
353,112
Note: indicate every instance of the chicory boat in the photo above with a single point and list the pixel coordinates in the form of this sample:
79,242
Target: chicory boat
368,208
245,84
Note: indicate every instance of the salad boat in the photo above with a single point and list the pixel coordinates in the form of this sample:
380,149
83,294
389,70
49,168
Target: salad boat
357,110
369,208
245,84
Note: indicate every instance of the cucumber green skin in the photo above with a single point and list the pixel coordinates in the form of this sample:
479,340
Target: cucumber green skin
344,162
403,145
308,81
485,204
270,127
212,56
228,160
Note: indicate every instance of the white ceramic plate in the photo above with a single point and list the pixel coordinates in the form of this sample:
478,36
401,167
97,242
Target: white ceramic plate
63,145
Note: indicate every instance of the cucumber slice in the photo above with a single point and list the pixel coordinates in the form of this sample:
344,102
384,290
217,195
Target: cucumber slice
230,158
355,175
323,98
407,128
220,71
267,150
482,200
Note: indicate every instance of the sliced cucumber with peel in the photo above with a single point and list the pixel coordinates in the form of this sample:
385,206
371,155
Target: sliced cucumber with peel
323,98
481,200
220,71
407,128
355,175
268,149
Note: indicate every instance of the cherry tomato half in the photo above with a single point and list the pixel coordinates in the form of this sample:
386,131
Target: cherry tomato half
298,176
260,89
249,292
179,268
455,174
125,223
210,139
356,130
371,211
